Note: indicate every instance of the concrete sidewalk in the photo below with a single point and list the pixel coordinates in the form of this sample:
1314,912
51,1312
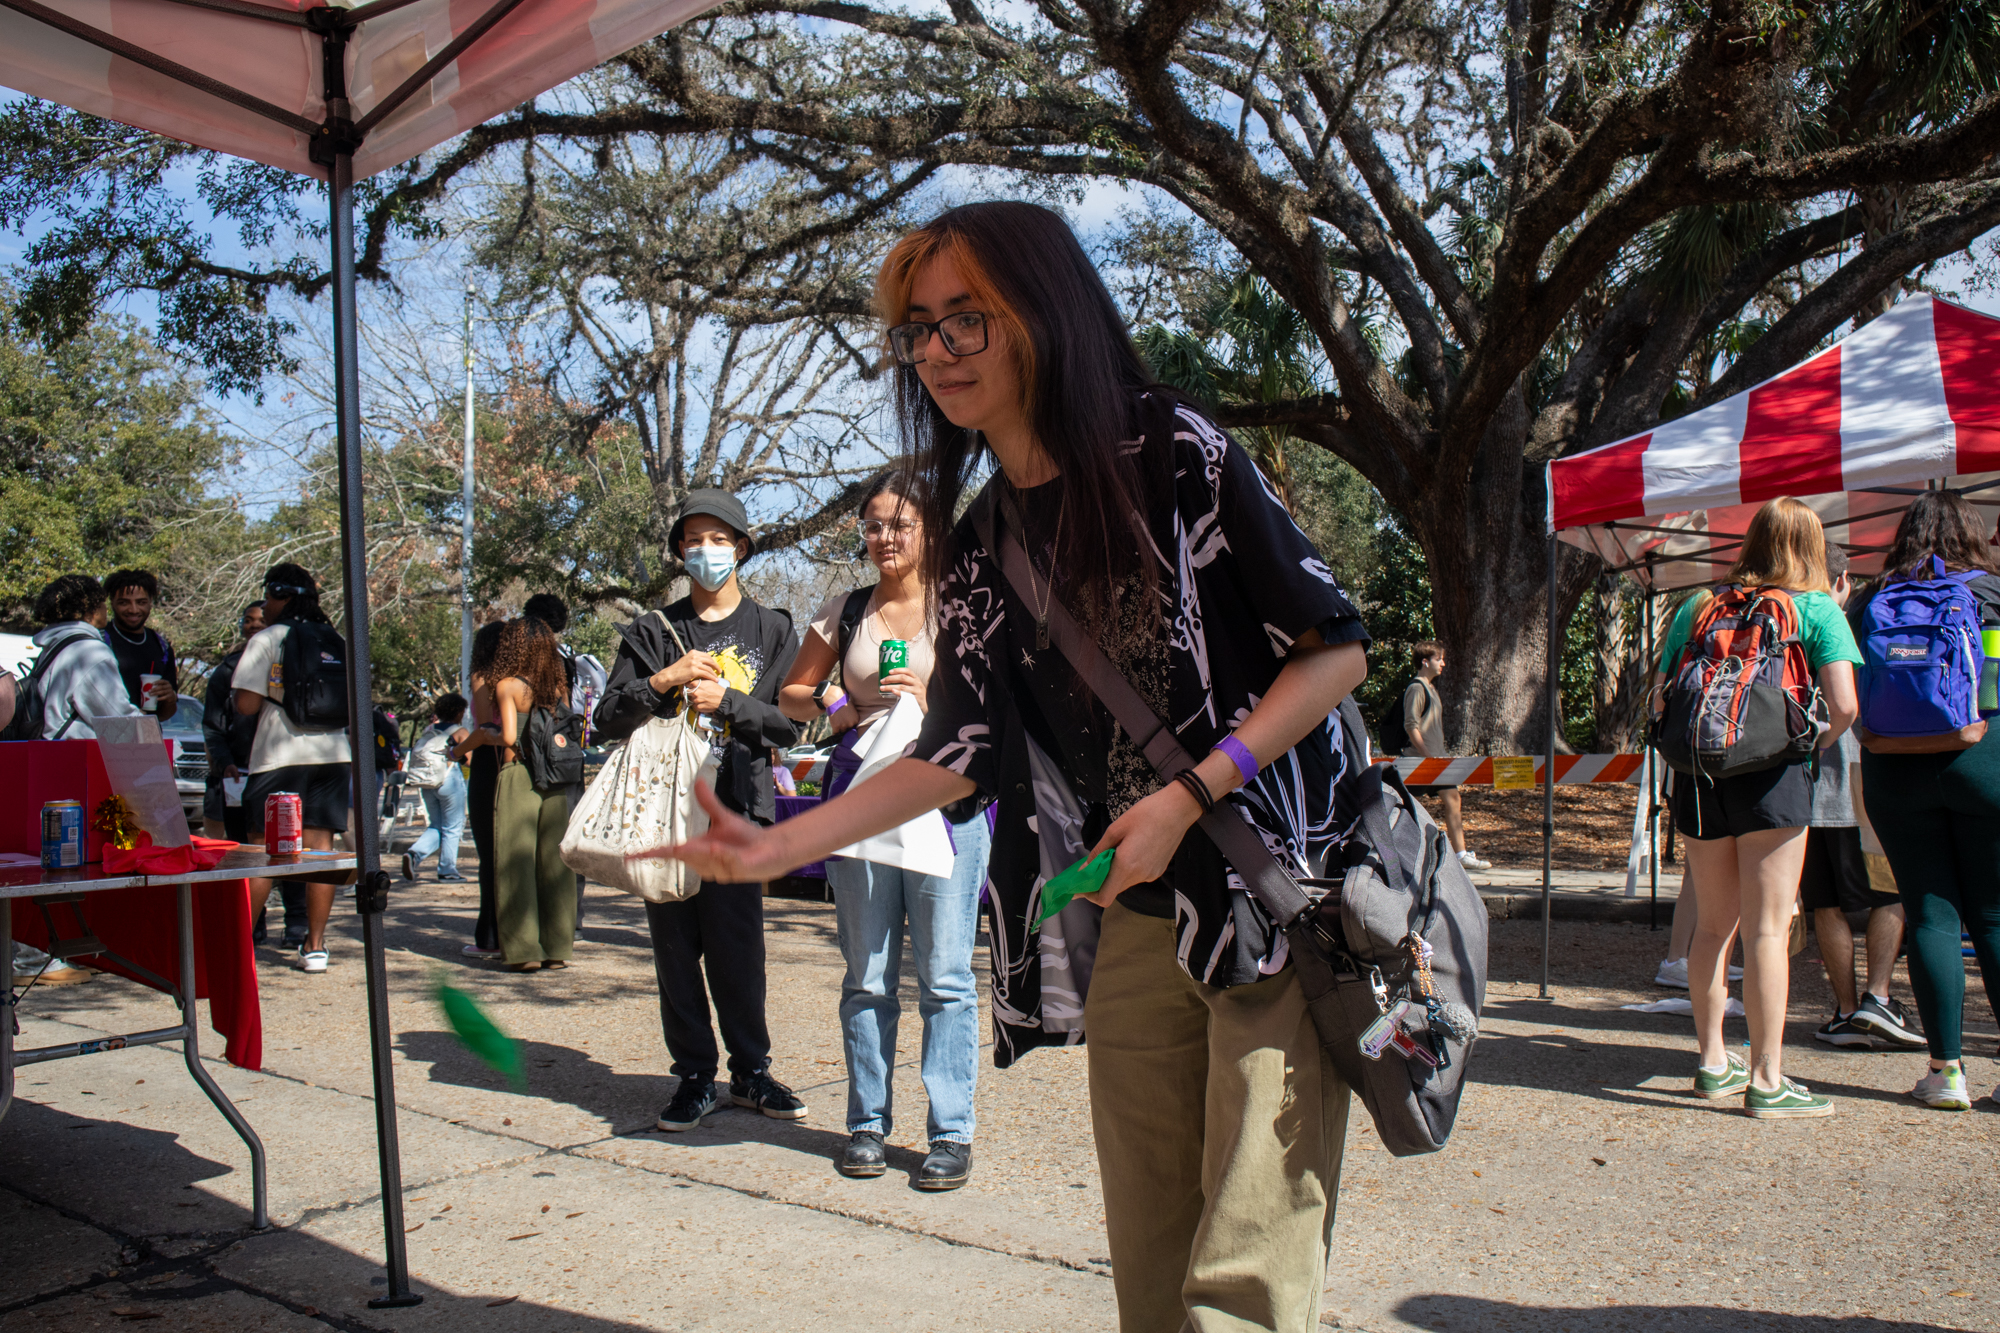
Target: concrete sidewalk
1583,1189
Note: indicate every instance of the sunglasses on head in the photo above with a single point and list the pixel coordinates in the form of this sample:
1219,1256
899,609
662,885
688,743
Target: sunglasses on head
284,590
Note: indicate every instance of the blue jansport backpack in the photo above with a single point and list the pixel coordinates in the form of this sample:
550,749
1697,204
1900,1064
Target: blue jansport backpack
1920,663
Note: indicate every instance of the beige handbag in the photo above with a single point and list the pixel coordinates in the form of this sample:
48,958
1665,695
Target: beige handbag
642,798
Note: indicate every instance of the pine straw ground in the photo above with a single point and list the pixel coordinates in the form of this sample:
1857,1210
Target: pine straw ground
1593,825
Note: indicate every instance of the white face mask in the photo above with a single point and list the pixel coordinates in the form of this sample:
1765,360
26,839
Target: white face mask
711,566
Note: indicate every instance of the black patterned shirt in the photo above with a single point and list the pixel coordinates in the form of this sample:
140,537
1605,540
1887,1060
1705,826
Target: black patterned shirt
1239,583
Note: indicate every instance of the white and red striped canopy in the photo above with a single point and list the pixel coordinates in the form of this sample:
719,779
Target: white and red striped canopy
262,50
1910,398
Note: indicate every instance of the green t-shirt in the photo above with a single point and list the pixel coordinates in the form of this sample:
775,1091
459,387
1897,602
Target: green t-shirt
1823,631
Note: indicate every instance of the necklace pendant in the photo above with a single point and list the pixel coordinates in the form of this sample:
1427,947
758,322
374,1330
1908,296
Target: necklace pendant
1041,634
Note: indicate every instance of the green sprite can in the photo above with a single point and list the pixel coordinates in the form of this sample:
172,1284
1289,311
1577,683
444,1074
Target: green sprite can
895,655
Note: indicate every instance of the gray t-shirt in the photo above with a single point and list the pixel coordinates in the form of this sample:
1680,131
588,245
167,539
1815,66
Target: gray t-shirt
1424,711
1833,800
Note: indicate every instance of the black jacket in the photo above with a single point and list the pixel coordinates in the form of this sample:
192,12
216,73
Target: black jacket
229,734
755,724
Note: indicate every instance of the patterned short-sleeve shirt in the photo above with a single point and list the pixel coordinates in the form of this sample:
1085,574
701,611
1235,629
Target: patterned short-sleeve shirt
1239,584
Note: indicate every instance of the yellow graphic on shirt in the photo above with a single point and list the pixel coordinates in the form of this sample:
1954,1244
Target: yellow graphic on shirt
736,671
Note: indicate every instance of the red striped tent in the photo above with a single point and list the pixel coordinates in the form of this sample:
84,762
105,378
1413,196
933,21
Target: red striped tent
1907,400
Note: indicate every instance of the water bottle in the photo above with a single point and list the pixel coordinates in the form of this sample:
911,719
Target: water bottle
1989,674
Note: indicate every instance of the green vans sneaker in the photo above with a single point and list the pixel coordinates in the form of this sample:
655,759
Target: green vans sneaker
1734,1078
1788,1101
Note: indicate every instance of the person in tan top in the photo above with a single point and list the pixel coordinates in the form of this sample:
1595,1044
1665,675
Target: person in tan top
872,900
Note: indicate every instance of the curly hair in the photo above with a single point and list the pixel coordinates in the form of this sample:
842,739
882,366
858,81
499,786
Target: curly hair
527,649
69,597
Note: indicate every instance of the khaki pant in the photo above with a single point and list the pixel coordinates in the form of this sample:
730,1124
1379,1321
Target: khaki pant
1219,1130
534,892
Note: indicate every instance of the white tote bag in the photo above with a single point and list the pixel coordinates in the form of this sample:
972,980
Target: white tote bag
924,844
642,798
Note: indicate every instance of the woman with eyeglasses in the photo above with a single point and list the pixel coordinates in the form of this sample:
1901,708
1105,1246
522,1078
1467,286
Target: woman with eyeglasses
1219,1123
872,900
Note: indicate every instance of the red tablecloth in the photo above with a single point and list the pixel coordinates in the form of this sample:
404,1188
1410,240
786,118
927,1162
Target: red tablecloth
139,923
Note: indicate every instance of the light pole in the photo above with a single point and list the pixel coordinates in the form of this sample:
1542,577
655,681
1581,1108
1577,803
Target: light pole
465,535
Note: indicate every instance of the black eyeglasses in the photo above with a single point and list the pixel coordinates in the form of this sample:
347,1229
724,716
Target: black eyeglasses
964,334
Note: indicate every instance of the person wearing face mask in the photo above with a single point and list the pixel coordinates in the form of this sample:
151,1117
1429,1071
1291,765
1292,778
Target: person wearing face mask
732,657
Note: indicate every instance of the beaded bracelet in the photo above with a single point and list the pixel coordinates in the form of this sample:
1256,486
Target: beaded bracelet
1239,753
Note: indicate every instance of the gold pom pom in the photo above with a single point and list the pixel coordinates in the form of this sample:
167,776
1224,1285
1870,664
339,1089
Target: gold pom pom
115,820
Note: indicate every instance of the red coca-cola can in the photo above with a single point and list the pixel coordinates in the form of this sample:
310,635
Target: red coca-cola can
284,824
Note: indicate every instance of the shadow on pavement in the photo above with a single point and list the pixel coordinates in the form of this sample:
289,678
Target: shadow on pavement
1473,1312
85,1272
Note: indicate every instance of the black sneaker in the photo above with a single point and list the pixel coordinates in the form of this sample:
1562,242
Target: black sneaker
409,866
1889,1021
948,1166
761,1092
864,1157
695,1098
1841,1031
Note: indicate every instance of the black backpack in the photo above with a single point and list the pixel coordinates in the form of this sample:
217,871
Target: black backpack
30,706
1394,725
852,611
315,662
552,746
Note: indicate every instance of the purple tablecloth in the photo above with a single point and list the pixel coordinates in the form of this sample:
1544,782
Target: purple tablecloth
798,805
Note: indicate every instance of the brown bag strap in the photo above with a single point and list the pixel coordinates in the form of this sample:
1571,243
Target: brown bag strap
1240,844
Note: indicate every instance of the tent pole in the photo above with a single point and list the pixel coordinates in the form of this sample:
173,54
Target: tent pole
1652,785
1549,771
372,889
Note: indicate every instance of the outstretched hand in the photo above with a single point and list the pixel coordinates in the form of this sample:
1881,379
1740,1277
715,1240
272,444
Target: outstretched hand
733,851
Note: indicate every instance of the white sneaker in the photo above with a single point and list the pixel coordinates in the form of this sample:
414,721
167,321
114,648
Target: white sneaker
1943,1089
312,960
1675,973
474,951
1471,861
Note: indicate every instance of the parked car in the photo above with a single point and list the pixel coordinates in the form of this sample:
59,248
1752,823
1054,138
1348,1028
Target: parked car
808,762
182,733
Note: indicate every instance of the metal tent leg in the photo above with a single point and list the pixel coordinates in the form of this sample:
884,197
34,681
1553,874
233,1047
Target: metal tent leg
260,1213
1549,770
372,890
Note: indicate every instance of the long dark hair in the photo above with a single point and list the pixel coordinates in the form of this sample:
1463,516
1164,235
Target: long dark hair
1079,371
527,649
1943,524
302,606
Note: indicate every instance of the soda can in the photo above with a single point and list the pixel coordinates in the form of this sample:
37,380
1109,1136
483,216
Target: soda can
284,824
895,655
62,835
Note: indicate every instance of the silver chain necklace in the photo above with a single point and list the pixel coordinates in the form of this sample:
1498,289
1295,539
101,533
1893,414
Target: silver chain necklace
128,638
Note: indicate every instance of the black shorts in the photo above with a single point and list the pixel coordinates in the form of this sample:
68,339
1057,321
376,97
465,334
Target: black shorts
1774,798
1836,873
1434,789
324,791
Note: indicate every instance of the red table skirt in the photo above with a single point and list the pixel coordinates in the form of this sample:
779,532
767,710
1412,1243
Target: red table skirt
139,924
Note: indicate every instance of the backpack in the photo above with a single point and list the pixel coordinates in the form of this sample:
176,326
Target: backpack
315,665
587,679
1921,658
552,746
1742,697
428,761
1394,725
852,612
30,705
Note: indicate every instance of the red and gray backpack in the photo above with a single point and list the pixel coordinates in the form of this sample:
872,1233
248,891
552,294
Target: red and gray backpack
1742,696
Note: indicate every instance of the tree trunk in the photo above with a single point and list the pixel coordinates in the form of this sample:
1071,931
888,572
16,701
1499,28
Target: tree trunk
1486,546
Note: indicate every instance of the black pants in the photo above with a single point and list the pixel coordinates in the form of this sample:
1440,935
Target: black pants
722,928
479,788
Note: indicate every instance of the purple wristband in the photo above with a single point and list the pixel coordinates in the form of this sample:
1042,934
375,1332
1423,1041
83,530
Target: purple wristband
1246,763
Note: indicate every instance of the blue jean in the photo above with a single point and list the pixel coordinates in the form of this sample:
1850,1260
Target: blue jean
444,807
871,902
